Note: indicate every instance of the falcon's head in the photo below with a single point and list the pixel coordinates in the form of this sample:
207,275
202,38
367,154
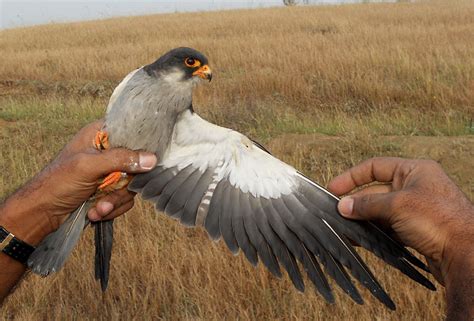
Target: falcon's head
181,65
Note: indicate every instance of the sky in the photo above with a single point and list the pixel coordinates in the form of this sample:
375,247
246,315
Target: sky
17,13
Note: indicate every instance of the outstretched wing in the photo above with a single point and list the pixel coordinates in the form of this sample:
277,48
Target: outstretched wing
217,178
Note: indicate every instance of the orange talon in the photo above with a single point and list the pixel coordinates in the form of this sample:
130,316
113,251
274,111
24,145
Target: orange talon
101,140
112,180
115,180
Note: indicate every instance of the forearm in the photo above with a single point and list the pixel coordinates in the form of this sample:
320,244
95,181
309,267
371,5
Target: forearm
460,279
460,290
10,275
24,218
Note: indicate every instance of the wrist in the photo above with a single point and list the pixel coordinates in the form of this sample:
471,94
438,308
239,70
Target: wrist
460,285
26,219
458,257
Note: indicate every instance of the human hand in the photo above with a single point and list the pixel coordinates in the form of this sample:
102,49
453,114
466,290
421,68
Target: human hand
418,201
70,180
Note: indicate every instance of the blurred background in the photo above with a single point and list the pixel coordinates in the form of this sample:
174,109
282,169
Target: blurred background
16,13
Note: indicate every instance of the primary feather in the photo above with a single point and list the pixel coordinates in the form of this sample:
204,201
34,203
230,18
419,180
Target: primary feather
53,251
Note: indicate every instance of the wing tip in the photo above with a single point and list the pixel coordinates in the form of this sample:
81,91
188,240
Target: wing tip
328,296
383,297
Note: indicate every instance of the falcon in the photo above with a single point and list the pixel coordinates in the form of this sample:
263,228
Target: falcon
219,179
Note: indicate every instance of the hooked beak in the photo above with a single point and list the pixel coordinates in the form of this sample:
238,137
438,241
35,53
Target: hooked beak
204,72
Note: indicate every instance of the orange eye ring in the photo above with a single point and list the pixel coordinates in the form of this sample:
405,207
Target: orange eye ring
191,62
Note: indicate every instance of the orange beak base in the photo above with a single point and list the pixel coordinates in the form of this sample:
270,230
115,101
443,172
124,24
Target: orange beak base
204,72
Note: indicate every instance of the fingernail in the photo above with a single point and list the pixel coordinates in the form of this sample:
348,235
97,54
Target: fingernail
345,206
105,207
147,160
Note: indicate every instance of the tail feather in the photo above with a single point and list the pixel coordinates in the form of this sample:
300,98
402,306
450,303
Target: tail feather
104,232
53,251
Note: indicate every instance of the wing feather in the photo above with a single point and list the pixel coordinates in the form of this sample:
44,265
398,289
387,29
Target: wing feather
211,222
178,199
218,178
238,227
225,219
332,266
195,197
278,247
375,240
340,248
306,257
292,243
255,236
172,186
157,180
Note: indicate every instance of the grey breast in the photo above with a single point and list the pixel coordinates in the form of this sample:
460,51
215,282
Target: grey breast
143,115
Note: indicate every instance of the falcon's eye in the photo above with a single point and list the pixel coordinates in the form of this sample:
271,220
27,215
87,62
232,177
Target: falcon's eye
191,62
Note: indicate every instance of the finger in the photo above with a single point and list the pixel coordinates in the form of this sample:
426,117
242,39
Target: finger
116,198
368,207
115,160
94,216
374,189
381,169
124,208
110,202
371,190
345,208
82,141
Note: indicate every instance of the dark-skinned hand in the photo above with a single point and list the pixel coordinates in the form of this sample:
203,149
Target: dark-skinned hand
73,177
425,210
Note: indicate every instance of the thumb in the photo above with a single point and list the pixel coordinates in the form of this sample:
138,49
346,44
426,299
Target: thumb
367,207
120,159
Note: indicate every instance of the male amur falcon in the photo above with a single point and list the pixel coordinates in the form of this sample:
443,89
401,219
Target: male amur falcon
218,178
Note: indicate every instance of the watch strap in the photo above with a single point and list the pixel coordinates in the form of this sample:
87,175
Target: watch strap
14,247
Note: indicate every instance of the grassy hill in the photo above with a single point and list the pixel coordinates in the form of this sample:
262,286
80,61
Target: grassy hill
322,87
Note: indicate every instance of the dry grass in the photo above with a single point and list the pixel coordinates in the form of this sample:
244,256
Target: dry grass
353,57
324,87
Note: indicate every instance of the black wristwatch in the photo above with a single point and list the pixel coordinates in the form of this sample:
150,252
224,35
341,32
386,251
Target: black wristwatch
14,247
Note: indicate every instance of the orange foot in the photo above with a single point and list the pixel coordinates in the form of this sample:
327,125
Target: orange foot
101,140
114,181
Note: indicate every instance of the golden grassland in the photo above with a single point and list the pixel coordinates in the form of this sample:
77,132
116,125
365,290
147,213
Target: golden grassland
322,87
